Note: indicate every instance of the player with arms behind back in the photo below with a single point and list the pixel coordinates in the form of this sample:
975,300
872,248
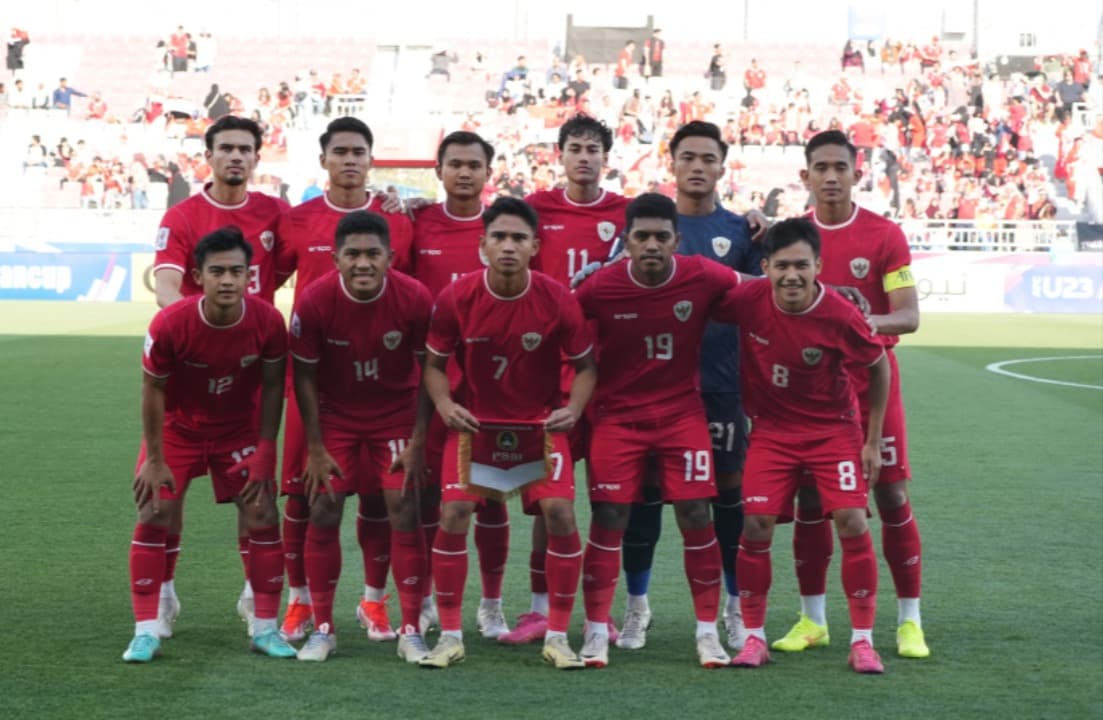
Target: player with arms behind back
870,252
208,360
798,341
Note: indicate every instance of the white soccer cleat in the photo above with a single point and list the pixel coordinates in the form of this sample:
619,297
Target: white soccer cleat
319,646
247,611
492,622
711,653
168,609
633,633
412,648
595,650
736,630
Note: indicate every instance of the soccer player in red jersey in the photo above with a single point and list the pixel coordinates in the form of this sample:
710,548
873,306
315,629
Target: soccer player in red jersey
446,246
306,248
212,394
508,328
651,314
798,341
233,149
355,337
579,224
862,249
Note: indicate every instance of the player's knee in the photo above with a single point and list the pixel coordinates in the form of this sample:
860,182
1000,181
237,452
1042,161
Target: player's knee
161,517
692,514
611,516
758,528
325,512
455,517
851,522
558,516
890,496
257,516
402,512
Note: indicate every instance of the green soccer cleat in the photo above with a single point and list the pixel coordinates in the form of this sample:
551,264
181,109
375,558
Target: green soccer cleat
272,644
142,649
910,642
803,635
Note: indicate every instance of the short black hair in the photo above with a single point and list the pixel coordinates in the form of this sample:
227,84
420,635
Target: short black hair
223,239
586,126
362,222
829,137
346,124
463,137
650,205
510,206
699,128
789,232
233,122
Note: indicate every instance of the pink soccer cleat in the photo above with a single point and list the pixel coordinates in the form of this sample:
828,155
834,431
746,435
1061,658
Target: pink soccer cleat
754,653
864,659
530,628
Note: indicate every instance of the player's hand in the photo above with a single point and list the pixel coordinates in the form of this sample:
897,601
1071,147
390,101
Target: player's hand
151,477
759,224
855,296
561,420
392,203
412,460
587,270
259,468
320,466
871,463
414,204
456,417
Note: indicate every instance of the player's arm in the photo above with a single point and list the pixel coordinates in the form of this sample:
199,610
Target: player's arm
319,463
153,473
166,285
582,388
435,379
261,465
880,376
903,315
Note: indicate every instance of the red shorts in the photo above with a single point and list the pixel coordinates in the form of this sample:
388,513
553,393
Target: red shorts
365,460
294,449
559,485
579,438
894,435
189,456
682,450
778,464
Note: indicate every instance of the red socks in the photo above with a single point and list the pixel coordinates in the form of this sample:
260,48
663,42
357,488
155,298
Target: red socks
373,532
265,570
601,566
902,547
860,580
492,544
753,567
408,565
323,569
564,564
701,555
430,523
147,570
296,516
243,553
812,547
538,578
172,554
449,576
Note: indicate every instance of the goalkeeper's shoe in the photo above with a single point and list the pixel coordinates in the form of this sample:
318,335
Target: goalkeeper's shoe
143,648
168,609
297,621
910,642
803,635
864,659
271,644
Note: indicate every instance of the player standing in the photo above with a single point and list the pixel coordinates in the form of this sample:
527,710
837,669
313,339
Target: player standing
212,394
307,249
651,315
508,328
579,224
798,341
446,246
355,337
697,152
862,249
233,149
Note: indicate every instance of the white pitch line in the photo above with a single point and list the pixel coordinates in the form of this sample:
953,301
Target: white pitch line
998,369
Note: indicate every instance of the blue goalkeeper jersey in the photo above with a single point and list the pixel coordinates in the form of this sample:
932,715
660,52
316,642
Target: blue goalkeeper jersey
724,237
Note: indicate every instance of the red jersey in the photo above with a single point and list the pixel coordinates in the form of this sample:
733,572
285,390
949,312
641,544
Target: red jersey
869,252
186,223
213,372
649,338
793,366
508,348
364,350
445,247
306,236
572,235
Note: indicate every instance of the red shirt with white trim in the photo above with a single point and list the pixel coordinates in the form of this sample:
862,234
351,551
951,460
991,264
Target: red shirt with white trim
185,224
572,235
445,247
365,350
508,349
214,372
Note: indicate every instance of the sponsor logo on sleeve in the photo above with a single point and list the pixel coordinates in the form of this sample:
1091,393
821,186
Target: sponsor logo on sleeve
296,325
149,344
249,360
162,240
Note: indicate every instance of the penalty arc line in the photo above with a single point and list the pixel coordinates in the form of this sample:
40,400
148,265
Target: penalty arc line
998,368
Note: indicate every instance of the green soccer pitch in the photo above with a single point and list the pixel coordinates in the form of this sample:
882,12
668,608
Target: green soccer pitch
1008,494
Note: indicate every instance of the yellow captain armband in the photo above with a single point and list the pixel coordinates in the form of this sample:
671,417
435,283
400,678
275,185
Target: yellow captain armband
899,278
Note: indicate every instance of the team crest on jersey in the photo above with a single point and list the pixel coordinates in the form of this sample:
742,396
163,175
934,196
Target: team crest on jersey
531,341
683,310
811,355
606,230
392,339
249,360
296,325
507,440
267,240
859,267
721,245
162,240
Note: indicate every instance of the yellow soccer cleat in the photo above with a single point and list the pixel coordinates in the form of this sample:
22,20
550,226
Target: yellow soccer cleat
559,654
449,651
803,635
910,642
